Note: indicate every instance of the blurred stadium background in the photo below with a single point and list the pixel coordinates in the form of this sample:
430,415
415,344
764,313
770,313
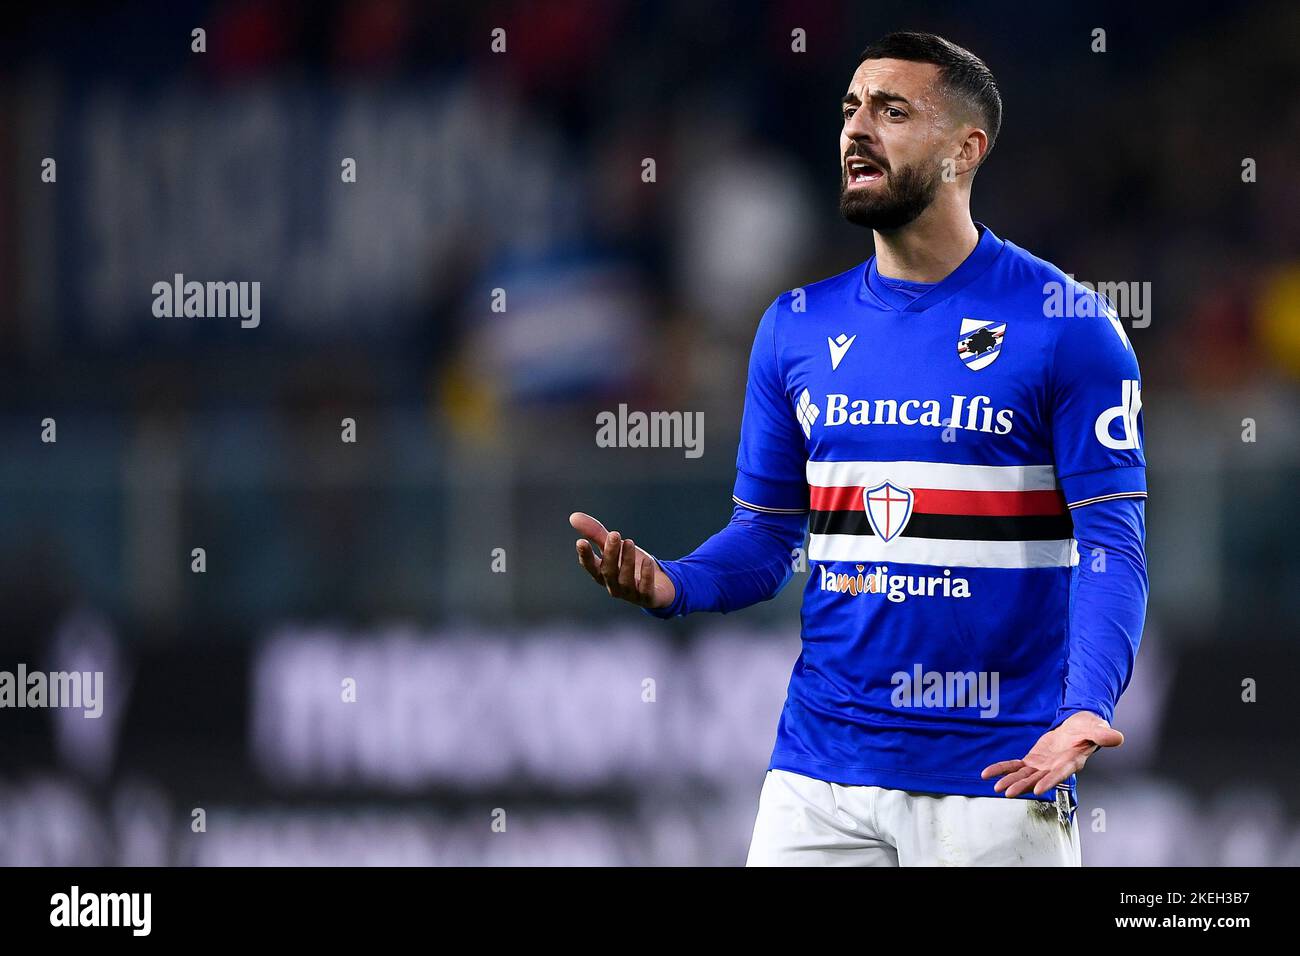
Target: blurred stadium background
479,691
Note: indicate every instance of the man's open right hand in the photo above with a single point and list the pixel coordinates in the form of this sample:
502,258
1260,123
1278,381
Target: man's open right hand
624,570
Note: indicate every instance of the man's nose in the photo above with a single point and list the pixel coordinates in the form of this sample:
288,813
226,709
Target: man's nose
860,126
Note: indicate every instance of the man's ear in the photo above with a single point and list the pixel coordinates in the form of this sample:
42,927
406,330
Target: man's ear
973,150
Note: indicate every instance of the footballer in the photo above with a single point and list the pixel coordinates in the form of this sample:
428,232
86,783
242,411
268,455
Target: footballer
968,468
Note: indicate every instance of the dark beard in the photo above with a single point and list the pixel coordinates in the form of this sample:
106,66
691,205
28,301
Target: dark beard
908,194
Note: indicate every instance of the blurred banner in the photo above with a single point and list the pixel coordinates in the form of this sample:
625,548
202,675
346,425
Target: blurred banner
327,745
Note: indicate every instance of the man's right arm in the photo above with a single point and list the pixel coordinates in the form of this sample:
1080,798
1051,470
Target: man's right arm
748,561
751,559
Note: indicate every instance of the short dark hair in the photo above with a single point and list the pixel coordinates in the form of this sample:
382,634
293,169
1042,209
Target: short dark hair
963,74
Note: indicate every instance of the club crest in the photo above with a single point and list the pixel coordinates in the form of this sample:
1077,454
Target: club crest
888,509
980,342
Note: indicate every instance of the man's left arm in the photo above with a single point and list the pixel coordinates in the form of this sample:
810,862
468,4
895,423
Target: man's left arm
1095,402
1108,607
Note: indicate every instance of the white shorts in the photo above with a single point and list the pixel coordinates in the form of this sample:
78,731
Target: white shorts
807,822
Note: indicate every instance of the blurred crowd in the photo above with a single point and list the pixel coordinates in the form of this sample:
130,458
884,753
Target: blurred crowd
560,207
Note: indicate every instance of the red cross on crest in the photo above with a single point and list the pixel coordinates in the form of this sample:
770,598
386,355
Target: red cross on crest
888,509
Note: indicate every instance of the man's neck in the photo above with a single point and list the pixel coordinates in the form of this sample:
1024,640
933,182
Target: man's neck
928,248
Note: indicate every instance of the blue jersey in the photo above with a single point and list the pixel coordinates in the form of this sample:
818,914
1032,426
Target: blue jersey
937,438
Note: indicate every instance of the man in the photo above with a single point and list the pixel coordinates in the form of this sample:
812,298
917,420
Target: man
969,466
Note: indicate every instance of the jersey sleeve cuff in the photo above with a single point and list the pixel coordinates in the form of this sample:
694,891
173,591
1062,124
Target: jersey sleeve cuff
679,595
770,497
1089,487
1103,710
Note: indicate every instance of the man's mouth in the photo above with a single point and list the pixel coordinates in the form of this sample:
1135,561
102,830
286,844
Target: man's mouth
861,170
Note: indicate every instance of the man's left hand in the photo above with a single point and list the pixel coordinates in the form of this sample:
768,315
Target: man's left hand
1058,754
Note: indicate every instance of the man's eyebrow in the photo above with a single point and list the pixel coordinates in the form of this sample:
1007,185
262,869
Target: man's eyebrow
884,96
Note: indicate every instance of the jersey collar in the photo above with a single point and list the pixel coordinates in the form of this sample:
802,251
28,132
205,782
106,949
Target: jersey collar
981,257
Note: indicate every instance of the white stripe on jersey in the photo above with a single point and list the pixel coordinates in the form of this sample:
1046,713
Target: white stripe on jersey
943,552
929,474
771,511
1118,494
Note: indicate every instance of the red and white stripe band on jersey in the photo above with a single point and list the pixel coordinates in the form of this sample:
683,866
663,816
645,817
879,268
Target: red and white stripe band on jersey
938,513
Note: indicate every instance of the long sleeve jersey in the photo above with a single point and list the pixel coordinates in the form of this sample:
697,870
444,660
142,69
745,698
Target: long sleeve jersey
966,458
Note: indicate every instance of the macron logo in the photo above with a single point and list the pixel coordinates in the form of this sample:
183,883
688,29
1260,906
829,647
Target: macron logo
807,413
839,348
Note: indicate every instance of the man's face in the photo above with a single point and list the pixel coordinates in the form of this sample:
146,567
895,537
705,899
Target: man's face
891,144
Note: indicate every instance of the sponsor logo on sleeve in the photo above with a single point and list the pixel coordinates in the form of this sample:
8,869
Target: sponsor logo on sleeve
1126,414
